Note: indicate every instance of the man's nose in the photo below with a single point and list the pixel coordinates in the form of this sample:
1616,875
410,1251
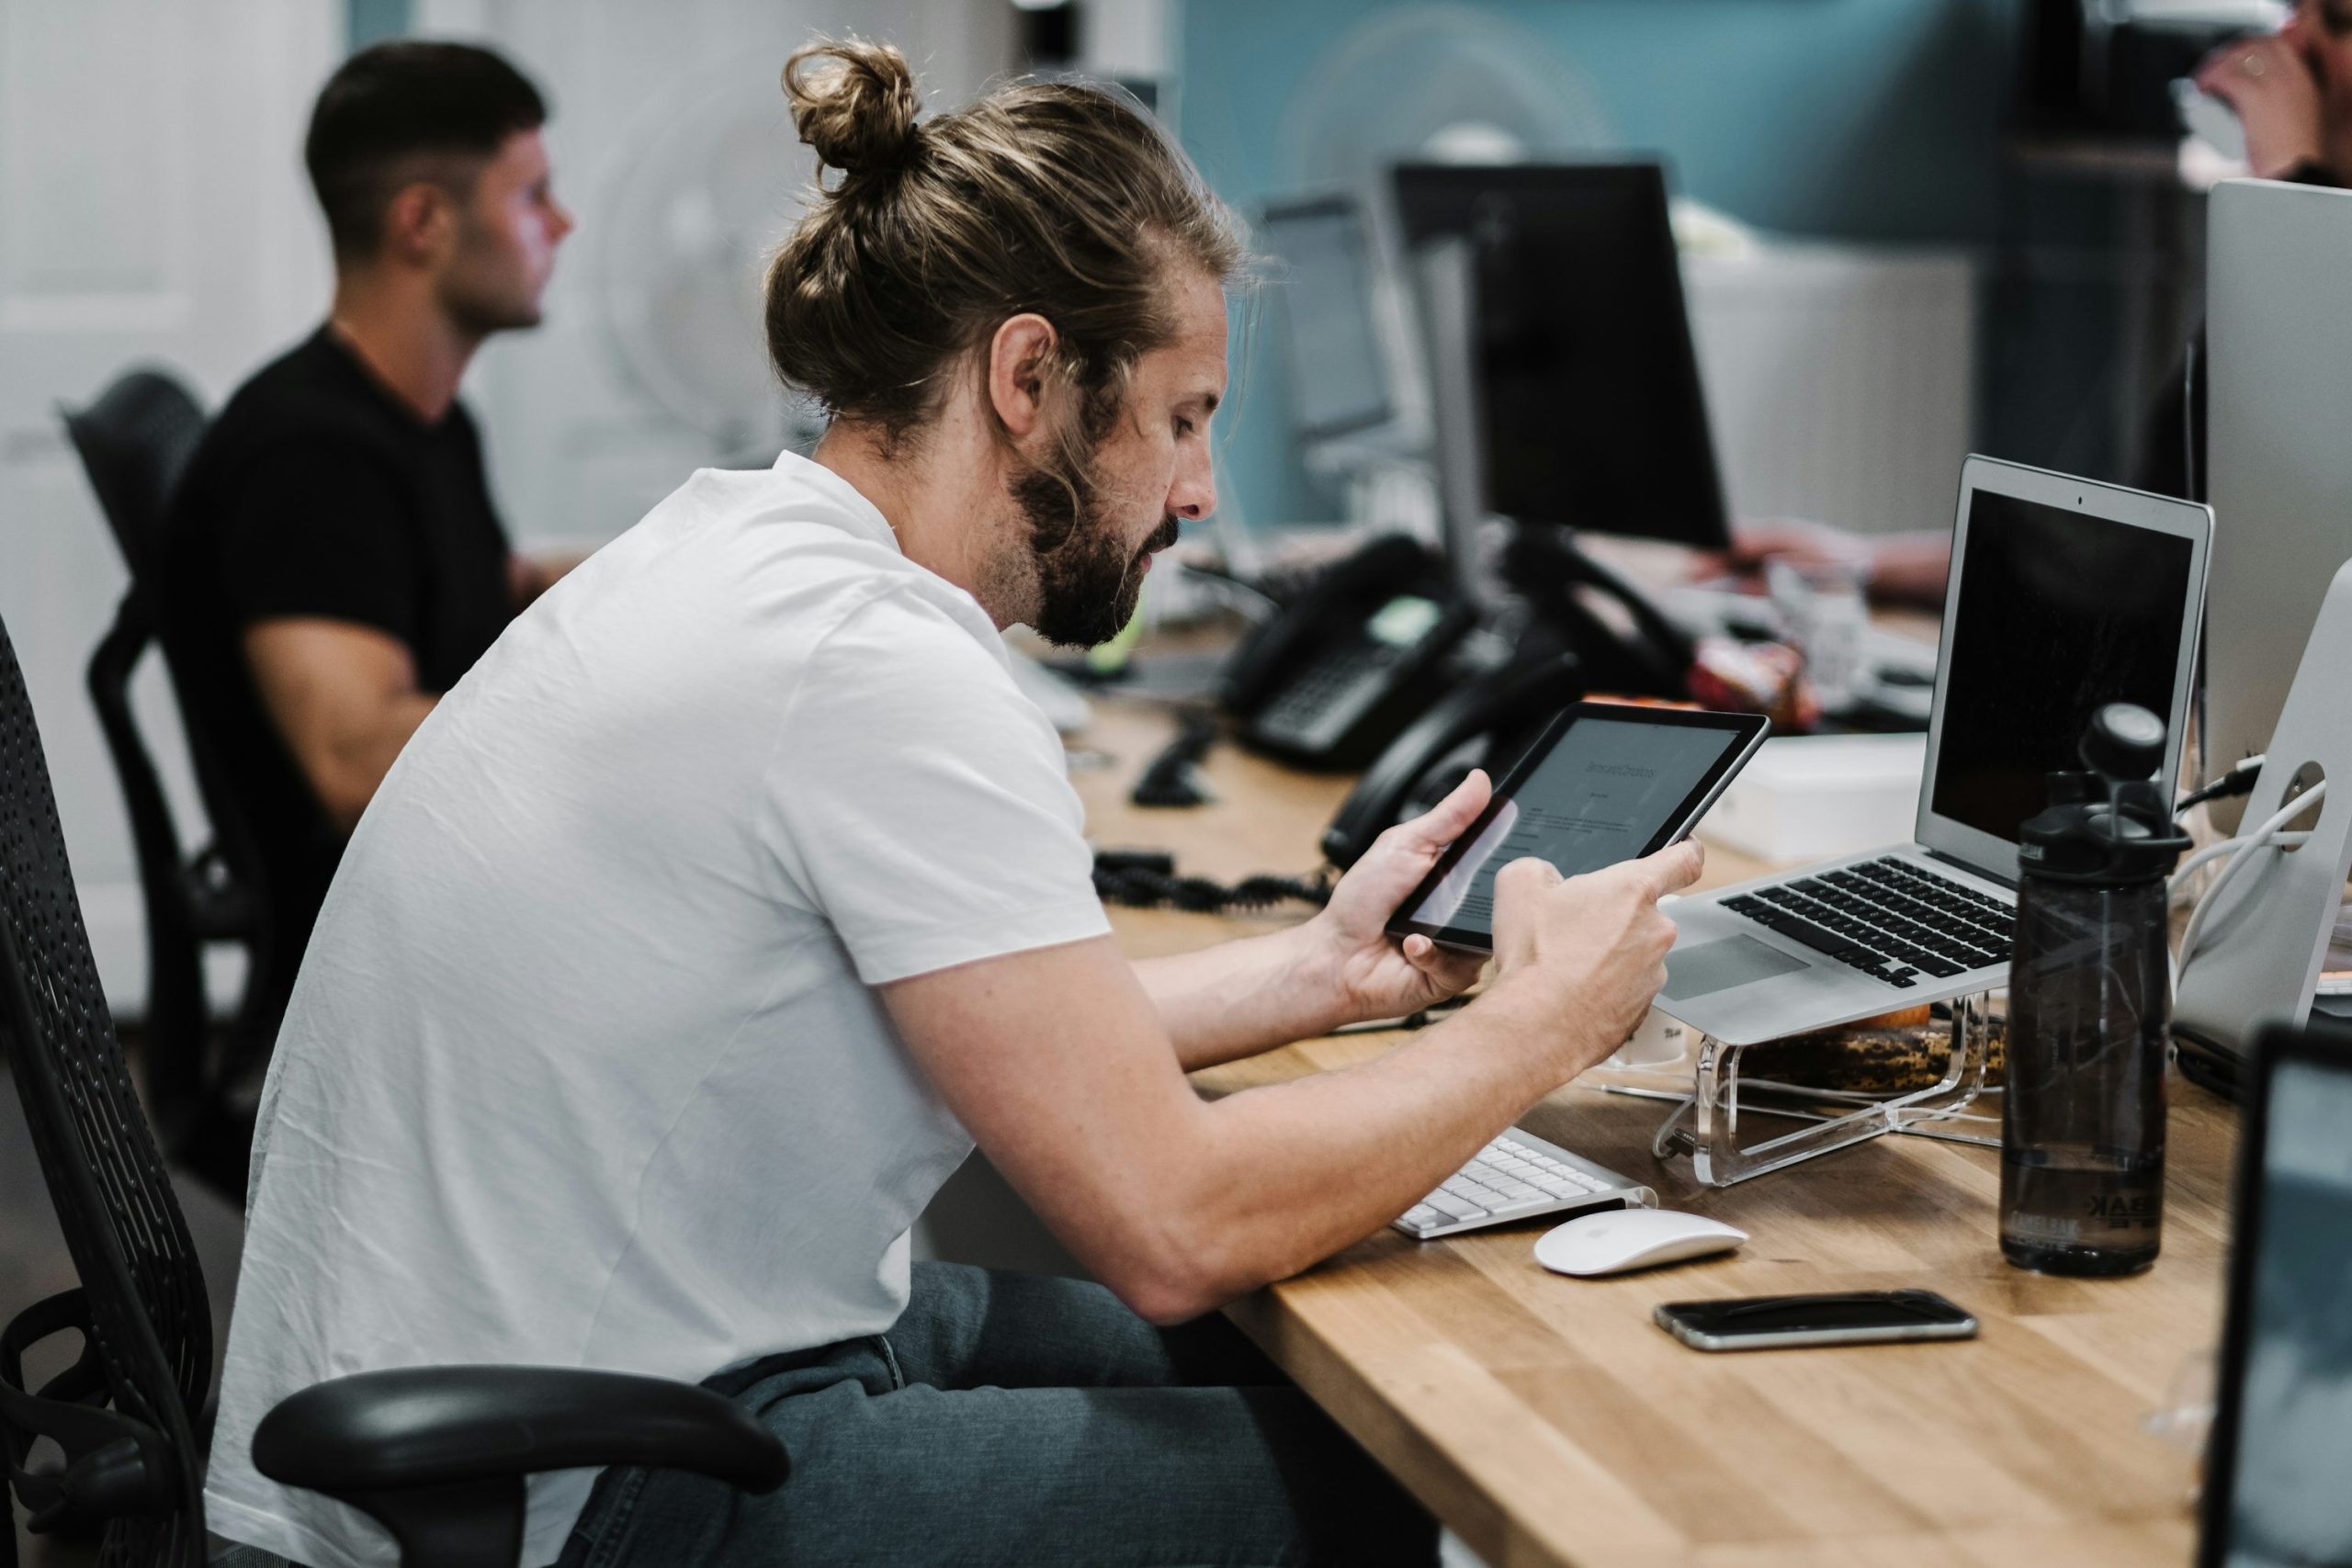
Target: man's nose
1194,496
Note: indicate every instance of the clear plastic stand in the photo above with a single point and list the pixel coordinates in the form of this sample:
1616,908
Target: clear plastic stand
1705,1125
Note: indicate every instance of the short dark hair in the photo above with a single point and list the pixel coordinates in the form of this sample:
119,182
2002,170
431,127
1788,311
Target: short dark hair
393,103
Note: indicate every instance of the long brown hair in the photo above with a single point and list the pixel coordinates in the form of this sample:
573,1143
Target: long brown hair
1048,196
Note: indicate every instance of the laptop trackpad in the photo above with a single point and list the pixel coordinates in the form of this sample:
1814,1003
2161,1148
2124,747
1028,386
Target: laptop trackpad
1720,965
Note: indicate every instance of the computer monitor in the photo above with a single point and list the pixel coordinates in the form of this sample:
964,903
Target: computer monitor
1338,369
2282,1443
1593,417
2278,358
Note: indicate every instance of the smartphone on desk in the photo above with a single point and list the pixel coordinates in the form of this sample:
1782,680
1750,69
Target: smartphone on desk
1845,1317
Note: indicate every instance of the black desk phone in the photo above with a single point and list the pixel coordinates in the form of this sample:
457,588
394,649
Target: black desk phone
1333,676
1364,669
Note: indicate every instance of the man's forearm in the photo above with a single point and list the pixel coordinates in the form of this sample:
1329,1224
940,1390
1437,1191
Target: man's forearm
348,773
1240,997
1298,1170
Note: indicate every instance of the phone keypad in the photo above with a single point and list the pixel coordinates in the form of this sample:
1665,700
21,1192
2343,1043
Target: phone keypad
1328,693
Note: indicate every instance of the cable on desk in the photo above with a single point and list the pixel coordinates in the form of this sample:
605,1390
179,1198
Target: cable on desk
1169,779
1147,879
1270,595
1436,1012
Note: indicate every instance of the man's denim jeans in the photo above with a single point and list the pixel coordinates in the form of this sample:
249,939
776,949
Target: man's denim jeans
1017,1420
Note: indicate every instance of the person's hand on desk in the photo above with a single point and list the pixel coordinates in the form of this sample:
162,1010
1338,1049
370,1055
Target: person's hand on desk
1906,568
2269,81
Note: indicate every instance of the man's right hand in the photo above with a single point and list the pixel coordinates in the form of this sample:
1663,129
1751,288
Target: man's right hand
1592,948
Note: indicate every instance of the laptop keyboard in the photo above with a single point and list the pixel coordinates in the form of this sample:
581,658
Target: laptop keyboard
1887,917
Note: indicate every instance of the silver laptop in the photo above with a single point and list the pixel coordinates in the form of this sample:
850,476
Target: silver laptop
2064,596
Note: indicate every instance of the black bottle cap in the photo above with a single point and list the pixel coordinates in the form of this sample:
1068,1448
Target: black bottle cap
2123,740
2114,829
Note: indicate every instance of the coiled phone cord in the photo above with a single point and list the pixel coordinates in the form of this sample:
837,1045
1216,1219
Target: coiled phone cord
1147,879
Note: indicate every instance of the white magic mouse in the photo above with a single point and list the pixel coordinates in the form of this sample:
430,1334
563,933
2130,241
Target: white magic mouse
1615,1240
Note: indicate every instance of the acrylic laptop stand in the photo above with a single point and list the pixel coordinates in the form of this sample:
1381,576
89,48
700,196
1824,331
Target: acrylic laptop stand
1706,1124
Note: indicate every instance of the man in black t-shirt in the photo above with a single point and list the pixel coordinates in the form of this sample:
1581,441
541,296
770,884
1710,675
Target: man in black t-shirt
335,562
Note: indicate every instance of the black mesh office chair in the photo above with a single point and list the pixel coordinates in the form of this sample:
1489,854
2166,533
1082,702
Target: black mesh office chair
135,440
437,1454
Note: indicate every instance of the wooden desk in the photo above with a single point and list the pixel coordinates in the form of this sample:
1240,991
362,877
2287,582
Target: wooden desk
1546,1420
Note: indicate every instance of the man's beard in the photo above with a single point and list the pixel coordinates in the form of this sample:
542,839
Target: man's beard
483,312
488,297
1088,582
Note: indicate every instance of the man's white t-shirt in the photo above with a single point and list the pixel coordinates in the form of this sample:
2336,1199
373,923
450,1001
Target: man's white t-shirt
584,1066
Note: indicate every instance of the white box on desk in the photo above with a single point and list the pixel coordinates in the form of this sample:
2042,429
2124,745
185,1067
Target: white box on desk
1806,797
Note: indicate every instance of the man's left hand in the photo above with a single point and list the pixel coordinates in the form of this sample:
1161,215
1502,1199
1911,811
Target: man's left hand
1376,977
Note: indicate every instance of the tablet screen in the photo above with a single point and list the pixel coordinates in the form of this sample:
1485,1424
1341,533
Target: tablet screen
1608,789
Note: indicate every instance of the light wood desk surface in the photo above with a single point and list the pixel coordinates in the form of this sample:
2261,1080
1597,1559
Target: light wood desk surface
1547,1421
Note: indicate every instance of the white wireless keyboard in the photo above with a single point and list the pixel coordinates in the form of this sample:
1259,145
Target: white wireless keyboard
1519,1177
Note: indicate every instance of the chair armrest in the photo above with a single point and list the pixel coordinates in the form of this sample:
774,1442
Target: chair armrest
430,1426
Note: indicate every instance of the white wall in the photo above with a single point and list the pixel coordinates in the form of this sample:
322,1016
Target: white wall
1840,380
152,208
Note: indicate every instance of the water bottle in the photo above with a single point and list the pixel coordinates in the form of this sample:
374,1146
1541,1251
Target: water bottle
2090,1012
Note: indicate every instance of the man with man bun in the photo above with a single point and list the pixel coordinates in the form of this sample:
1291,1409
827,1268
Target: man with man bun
708,923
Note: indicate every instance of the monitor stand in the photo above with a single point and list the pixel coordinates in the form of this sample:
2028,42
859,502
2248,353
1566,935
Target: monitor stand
2267,934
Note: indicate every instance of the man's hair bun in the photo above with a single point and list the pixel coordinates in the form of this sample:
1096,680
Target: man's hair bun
1056,198
854,103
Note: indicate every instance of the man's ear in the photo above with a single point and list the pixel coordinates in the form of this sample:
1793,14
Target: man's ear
419,222
1020,354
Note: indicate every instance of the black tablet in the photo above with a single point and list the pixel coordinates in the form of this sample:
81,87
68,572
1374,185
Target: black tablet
1605,782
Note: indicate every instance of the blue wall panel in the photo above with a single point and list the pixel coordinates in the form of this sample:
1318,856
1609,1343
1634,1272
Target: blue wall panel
1859,119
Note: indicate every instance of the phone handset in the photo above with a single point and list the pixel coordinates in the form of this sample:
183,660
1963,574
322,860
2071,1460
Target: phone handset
1508,707
1546,566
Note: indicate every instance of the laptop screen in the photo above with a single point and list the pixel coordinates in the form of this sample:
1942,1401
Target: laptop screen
2291,1432
2057,612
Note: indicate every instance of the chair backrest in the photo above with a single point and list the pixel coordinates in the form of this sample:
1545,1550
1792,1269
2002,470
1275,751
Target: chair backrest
135,440
147,1315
